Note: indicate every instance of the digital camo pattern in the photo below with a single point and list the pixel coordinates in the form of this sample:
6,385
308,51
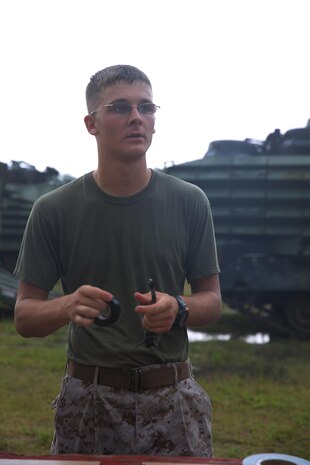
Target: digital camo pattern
96,419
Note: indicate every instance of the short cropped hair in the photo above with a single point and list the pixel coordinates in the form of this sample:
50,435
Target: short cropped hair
110,76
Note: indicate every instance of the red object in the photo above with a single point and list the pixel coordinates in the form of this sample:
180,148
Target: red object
124,459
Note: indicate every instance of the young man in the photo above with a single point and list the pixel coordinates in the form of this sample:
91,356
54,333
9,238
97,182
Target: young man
128,387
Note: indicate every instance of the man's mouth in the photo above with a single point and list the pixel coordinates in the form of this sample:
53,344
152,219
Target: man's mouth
135,135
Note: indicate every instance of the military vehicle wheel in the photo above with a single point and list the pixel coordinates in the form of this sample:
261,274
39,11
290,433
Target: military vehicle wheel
297,315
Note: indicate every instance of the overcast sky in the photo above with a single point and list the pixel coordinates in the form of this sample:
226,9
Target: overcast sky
220,69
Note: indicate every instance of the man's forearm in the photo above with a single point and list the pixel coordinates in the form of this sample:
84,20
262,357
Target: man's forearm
204,308
39,318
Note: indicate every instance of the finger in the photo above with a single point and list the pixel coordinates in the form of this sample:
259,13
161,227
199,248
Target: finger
84,303
83,320
96,293
144,299
155,327
89,313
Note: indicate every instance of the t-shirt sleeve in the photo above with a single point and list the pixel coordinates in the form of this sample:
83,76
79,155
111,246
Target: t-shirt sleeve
202,257
38,261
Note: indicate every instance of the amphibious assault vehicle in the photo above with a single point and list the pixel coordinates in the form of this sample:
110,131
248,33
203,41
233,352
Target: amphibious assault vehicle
260,198
20,185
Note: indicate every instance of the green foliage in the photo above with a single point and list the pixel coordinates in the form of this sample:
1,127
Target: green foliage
260,393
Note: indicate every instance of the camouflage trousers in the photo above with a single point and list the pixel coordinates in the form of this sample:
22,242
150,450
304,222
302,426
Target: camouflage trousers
96,419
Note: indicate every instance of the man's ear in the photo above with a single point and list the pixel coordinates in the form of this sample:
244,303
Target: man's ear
90,124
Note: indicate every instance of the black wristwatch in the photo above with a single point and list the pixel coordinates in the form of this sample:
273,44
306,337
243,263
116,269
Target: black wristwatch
182,315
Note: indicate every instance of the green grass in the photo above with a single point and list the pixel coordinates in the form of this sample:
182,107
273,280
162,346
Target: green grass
260,393
30,377
260,396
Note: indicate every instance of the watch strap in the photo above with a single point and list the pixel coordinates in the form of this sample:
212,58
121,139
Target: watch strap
182,315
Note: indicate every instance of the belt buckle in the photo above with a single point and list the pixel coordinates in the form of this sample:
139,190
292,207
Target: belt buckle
135,380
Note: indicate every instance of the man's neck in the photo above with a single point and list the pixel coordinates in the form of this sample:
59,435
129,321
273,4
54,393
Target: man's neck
122,180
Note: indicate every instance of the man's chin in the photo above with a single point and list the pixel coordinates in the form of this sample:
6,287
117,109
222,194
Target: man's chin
136,152
133,154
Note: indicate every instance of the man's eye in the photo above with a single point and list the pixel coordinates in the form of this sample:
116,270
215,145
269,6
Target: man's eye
121,107
144,108
147,108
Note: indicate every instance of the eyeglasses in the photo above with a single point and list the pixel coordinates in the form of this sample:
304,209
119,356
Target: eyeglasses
124,108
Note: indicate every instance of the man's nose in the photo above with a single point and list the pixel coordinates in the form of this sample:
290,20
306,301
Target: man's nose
134,114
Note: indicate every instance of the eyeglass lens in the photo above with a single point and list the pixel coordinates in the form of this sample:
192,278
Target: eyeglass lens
124,108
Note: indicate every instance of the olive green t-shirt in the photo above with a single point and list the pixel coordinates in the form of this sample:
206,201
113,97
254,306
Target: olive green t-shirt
81,235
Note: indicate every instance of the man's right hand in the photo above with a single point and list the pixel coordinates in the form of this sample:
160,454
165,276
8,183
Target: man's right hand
37,316
85,304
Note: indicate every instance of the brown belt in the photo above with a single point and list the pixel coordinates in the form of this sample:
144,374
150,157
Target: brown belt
135,379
